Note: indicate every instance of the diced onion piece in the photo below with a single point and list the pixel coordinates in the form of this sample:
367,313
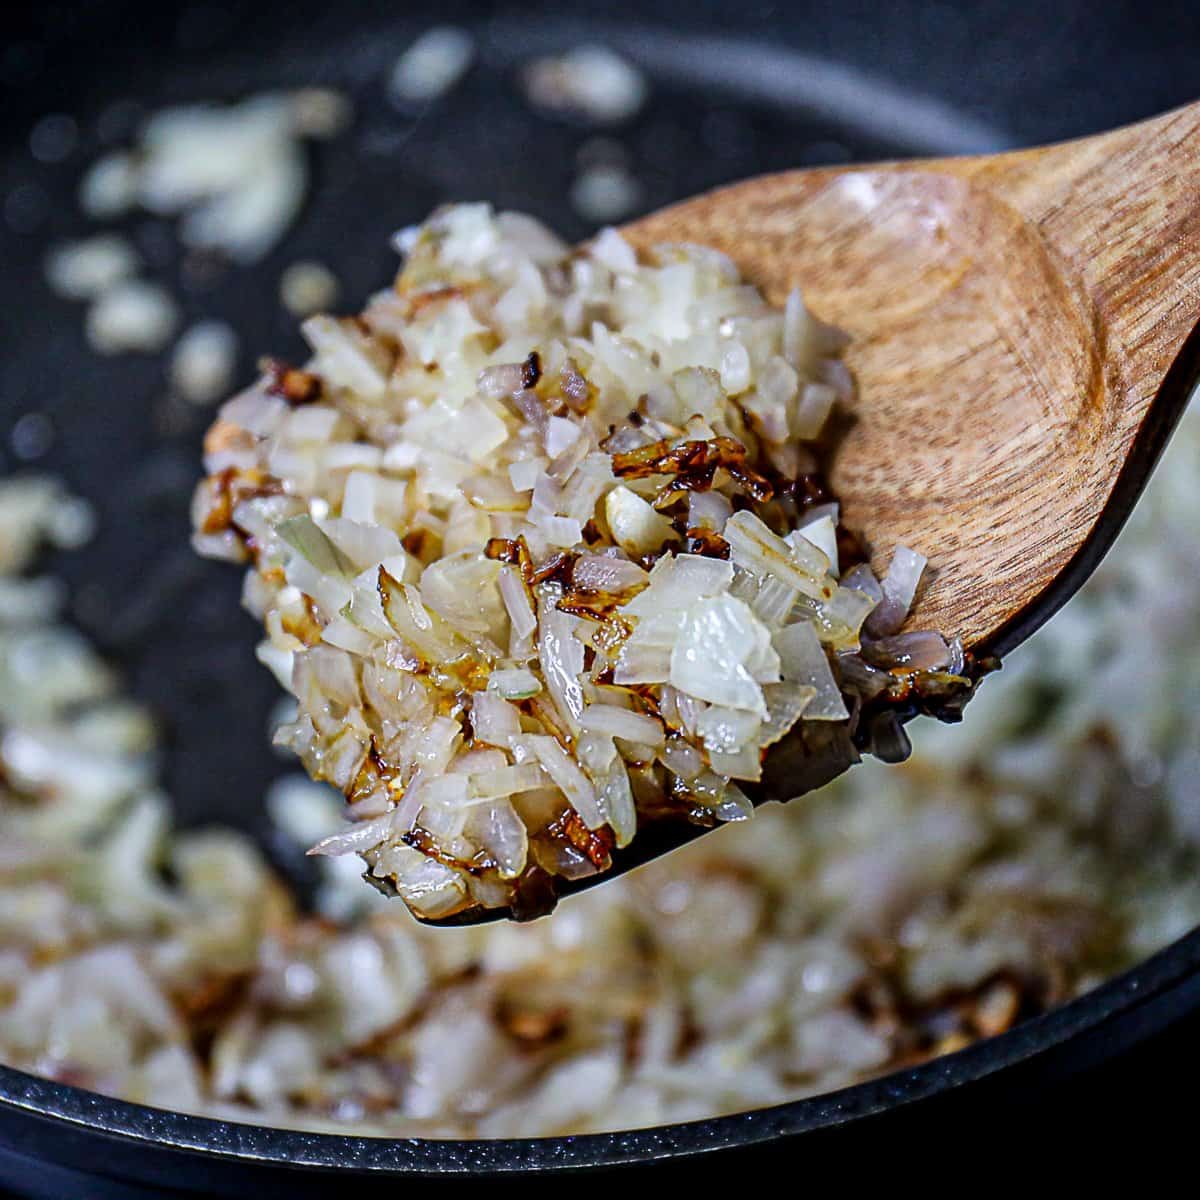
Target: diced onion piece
501,832
343,358
517,602
365,609
635,526
449,788
596,752
611,249
278,661
467,528
660,629
862,579
956,660
546,498
774,602
682,758
777,382
899,588
490,493
708,510
617,803
821,533
560,654
841,618
734,805
508,781
464,589
402,456
523,474
786,704
431,65
478,760
558,531
727,730
586,485
358,498
835,373
359,837
314,546
745,763
560,434
343,757
921,650
801,334
500,381
755,548
347,636
311,423
436,745
568,778
514,683
425,632
348,456
622,723
431,888
604,573
802,660
712,657
813,406
678,580
364,545
494,721
638,663
736,372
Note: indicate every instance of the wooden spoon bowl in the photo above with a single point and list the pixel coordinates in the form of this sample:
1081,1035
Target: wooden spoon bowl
1014,320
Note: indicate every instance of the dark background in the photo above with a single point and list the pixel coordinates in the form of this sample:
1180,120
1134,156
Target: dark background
737,88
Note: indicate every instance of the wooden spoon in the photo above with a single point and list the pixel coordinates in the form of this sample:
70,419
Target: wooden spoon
1022,343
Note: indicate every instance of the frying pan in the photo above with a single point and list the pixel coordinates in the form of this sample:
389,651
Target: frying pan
737,89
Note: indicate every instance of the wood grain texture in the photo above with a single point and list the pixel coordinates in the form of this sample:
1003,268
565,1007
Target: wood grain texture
1013,318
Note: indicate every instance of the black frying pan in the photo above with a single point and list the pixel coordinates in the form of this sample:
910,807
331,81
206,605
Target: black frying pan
738,89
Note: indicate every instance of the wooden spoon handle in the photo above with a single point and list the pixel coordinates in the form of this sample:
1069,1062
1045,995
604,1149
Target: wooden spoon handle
1121,211
1119,217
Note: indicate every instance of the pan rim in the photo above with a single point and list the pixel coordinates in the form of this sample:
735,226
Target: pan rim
211,1138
